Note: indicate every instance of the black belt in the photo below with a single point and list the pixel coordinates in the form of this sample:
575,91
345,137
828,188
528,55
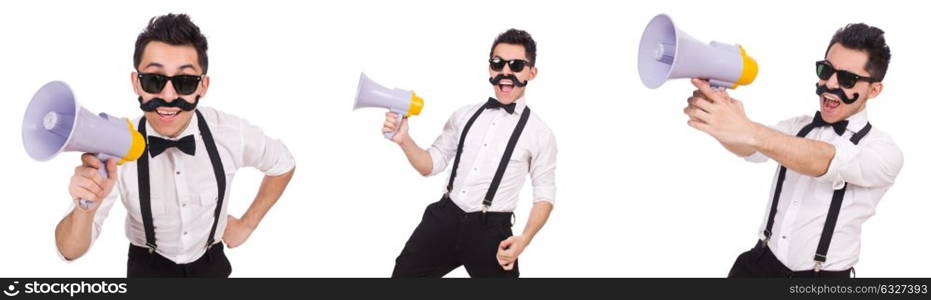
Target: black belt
763,252
137,251
492,217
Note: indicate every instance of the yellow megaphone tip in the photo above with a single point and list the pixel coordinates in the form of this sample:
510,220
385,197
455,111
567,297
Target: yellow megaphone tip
750,69
416,105
136,148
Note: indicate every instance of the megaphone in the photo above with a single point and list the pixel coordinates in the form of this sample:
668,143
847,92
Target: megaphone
405,103
666,53
55,122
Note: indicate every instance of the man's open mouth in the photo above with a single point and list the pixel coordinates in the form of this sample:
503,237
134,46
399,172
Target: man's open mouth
167,114
829,101
506,85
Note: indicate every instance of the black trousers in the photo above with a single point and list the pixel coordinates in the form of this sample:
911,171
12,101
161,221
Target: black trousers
447,238
213,263
761,262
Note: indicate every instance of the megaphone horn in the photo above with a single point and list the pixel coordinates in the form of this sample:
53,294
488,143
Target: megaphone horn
404,103
667,53
54,122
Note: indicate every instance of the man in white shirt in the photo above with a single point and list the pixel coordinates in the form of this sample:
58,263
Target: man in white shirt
494,145
834,167
176,194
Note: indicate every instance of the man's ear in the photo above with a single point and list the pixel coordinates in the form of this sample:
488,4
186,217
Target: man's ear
875,89
204,84
533,73
134,79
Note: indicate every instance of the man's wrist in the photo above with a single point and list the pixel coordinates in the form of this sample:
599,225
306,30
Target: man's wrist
82,217
81,213
757,135
525,239
406,143
250,222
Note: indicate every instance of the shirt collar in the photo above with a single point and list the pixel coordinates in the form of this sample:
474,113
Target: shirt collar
857,121
521,103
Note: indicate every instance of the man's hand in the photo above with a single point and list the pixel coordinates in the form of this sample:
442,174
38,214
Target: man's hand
722,117
714,112
509,250
237,232
419,158
74,232
87,184
391,125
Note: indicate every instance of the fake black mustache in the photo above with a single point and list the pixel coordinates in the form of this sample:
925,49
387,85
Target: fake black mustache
822,88
155,103
512,77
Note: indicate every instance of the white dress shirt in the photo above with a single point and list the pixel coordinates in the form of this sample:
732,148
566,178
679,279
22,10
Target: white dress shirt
184,188
869,168
535,153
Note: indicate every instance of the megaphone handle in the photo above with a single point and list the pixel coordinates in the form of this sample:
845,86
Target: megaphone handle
389,135
85,204
720,85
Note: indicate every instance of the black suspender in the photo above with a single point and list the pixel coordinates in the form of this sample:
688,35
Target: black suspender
833,211
142,171
502,166
512,142
145,201
218,172
462,138
781,178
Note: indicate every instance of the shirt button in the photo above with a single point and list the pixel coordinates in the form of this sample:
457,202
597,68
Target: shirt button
463,192
474,169
177,172
485,145
783,237
185,233
183,204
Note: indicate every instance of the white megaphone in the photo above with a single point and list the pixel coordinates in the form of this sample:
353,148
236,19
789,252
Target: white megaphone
405,103
666,52
55,122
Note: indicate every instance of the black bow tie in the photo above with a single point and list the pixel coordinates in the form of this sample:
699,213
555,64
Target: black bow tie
493,103
158,145
839,127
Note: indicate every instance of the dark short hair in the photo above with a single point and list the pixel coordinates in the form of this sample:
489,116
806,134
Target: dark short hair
174,30
517,37
865,38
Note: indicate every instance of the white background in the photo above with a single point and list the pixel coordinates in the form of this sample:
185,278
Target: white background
640,194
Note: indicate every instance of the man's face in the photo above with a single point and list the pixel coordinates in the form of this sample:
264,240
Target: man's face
169,60
854,61
505,91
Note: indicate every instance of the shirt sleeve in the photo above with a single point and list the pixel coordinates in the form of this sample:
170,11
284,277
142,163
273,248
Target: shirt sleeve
873,163
444,148
264,153
543,169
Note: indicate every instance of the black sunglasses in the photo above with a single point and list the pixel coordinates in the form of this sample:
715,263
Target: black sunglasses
516,65
154,83
846,79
